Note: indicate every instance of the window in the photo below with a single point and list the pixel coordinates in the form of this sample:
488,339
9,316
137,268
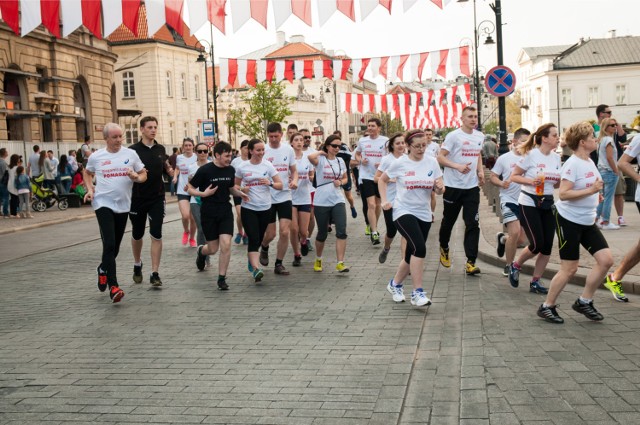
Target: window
565,96
172,134
621,94
128,86
197,86
43,84
186,129
169,84
131,133
183,85
47,128
593,96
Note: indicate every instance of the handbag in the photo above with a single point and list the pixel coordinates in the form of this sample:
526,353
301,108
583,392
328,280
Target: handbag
544,202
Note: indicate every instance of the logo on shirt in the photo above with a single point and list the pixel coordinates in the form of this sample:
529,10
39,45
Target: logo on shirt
410,173
569,173
285,158
589,174
270,159
127,161
430,173
106,162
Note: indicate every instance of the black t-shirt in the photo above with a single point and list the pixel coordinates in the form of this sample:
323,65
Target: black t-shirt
153,159
210,174
345,154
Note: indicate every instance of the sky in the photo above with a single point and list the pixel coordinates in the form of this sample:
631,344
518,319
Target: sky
425,27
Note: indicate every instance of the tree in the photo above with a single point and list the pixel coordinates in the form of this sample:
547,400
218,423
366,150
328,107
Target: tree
266,103
514,115
390,125
491,128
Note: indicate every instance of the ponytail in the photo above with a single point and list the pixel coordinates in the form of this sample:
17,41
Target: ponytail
535,139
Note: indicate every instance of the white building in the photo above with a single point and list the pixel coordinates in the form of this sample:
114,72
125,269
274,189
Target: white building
564,84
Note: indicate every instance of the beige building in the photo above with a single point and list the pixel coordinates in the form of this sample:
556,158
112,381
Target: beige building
159,76
54,91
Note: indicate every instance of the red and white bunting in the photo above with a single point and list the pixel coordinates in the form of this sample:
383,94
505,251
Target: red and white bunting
448,64
434,108
23,16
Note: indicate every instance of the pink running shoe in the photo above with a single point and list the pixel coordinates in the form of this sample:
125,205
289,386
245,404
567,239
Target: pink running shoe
185,238
192,243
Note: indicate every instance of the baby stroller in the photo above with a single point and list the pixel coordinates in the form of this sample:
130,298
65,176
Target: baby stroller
44,197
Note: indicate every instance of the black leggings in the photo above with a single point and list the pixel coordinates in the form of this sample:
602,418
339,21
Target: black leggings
467,200
14,203
539,225
254,224
112,226
415,232
388,221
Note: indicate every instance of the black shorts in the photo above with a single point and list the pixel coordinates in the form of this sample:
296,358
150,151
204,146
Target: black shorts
347,187
153,208
216,223
184,197
237,200
571,235
281,210
303,208
369,188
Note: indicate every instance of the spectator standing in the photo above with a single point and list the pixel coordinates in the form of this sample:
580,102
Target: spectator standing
23,186
608,168
49,170
14,161
489,152
86,150
65,174
33,162
72,160
4,182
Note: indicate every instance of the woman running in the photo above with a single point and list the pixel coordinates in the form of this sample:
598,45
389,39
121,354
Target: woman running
575,214
328,203
301,202
195,202
416,175
538,173
241,237
180,180
255,177
396,149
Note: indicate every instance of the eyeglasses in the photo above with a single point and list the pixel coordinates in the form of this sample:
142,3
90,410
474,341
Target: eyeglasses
202,151
607,112
613,125
421,147
307,137
335,146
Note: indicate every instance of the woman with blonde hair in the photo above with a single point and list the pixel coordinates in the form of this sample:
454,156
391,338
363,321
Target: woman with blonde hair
575,215
608,168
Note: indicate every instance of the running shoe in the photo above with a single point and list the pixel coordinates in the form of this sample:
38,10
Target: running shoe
279,269
536,287
249,267
471,269
375,238
587,309
621,221
444,257
185,238
396,292
367,230
245,240
419,298
193,243
304,248
297,261
383,255
258,274
102,279
610,226
137,273
341,267
317,265
238,239
155,280
354,213
615,286
550,314
505,271
264,257
116,294
500,247
222,285
201,259
329,229
514,275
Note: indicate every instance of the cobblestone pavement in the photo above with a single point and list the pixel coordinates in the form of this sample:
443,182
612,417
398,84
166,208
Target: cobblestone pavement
310,348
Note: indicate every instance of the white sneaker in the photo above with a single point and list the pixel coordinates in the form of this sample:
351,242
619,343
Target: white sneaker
610,226
621,221
419,299
396,291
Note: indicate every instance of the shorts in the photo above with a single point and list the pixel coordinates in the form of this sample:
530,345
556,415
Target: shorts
215,223
237,200
347,187
368,189
571,235
141,209
510,212
184,197
621,187
282,210
303,208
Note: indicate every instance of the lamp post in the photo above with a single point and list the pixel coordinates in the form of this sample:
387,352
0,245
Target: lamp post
328,84
201,58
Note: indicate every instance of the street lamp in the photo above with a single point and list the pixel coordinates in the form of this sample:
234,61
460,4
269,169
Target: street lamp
328,84
201,58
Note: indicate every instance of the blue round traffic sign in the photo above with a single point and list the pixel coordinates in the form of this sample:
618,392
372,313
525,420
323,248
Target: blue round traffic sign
500,81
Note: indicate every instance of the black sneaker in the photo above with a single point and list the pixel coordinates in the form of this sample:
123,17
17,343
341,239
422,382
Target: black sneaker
304,248
500,247
588,310
297,261
550,314
383,255
155,280
375,238
222,285
264,257
137,273
514,275
102,279
201,260
505,271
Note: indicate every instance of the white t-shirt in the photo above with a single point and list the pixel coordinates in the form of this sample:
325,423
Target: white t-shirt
373,150
583,174
463,148
634,152
192,171
384,166
433,149
113,185
327,194
302,195
603,164
182,166
259,195
309,150
504,167
414,183
534,162
281,158
237,161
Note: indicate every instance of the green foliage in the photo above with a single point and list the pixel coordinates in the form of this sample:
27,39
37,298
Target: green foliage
513,113
390,126
266,103
442,133
492,127
636,122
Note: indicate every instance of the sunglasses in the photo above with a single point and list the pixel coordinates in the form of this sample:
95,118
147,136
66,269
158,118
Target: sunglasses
613,125
608,112
335,146
202,151
307,137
